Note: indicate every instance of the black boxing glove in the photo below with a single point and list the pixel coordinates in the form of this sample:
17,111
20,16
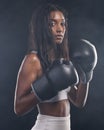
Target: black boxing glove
84,56
84,77
58,77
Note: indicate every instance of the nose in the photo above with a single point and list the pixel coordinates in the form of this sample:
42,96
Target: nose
59,29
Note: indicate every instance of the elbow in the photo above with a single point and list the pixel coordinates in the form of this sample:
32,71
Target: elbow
17,112
17,109
80,105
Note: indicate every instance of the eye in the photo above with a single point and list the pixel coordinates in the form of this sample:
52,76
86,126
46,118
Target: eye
63,24
52,23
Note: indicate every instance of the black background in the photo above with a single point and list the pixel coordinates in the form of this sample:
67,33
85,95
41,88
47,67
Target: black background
86,21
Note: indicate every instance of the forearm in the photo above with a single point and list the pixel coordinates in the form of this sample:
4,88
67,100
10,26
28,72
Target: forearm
25,103
82,94
78,95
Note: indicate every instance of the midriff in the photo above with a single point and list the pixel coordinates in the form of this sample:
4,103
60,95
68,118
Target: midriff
59,108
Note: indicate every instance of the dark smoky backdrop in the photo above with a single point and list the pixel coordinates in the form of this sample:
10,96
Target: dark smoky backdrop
86,20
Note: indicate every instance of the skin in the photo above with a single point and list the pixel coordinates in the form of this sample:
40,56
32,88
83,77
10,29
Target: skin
31,70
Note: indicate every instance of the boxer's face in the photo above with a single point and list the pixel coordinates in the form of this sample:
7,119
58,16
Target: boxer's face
57,26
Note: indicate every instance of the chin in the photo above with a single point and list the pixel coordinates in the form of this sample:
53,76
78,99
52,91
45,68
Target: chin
58,42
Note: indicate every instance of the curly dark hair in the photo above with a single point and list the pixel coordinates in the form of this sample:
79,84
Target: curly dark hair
40,38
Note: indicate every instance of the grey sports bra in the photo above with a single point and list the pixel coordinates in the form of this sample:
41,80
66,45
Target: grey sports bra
61,95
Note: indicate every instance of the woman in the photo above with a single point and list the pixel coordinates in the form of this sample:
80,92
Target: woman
47,60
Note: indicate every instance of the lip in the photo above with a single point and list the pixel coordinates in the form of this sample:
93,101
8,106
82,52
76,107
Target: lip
59,36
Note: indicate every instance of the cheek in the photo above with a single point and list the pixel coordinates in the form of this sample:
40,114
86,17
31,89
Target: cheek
53,31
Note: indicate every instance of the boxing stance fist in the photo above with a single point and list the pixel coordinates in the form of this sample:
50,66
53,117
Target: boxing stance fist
84,56
58,77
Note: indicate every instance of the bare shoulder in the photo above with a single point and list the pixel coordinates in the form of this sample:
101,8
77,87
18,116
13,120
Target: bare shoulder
32,59
31,64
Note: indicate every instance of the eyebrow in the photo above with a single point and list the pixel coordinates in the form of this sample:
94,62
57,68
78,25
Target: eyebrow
55,19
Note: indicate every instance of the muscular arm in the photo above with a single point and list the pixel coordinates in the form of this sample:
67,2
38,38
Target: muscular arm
29,71
78,95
